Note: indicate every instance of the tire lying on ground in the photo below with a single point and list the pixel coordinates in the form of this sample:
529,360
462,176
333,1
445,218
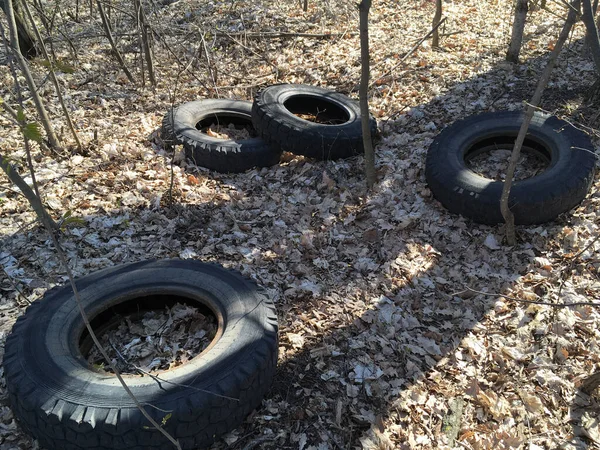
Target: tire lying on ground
564,183
67,405
185,124
309,121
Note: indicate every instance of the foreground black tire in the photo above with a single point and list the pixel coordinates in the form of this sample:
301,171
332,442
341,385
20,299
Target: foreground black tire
559,188
182,126
66,405
337,134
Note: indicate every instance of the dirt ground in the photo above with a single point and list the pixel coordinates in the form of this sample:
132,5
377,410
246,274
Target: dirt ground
401,324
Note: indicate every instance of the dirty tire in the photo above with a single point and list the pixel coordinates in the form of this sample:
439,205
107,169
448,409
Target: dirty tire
274,118
64,404
559,188
221,155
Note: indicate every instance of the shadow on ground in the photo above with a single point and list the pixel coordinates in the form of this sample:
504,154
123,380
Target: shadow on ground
371,291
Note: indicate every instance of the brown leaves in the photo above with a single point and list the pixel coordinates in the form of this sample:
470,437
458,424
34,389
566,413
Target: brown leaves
378,333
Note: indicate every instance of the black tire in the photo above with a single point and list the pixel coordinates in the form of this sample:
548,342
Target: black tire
538,199
65,405
274,117
221,155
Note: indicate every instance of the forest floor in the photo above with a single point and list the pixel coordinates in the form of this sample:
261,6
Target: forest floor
386,341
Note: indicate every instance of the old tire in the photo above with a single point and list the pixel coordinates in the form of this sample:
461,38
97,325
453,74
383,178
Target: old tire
337,135
183,124
65,405
564,183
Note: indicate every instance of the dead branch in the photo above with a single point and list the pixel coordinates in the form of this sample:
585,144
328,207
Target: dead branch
278,35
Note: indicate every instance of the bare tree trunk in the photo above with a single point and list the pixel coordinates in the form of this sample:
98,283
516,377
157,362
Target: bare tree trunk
39,105
364,7
592,44
535,101
53,78
106,26
435,39
591,30
516,39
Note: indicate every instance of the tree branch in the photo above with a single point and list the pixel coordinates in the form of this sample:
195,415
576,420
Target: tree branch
535,101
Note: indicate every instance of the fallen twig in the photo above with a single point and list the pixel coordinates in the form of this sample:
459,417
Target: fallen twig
276,34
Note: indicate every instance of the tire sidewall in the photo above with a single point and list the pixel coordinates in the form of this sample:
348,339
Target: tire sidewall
50,353
533,200
276,96
186,116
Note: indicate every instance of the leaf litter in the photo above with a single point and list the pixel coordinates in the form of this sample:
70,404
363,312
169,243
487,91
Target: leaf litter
379,335
155,340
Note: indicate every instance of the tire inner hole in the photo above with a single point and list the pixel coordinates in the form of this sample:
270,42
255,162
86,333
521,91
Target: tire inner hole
227,126
489,158
150,334
317,110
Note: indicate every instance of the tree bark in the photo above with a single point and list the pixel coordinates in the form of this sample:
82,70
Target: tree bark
364,7
591,32
535,101
27,43
516,39
435,39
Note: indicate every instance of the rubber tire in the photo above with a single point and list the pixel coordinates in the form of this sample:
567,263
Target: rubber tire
562,186
221,155
67,406
277,125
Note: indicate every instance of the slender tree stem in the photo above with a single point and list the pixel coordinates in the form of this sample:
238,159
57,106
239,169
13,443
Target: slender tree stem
145,41
535,101
435,39
39,105
109,36
31,197
53,78
364,7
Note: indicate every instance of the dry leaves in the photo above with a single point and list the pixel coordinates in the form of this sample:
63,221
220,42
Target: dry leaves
379,334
